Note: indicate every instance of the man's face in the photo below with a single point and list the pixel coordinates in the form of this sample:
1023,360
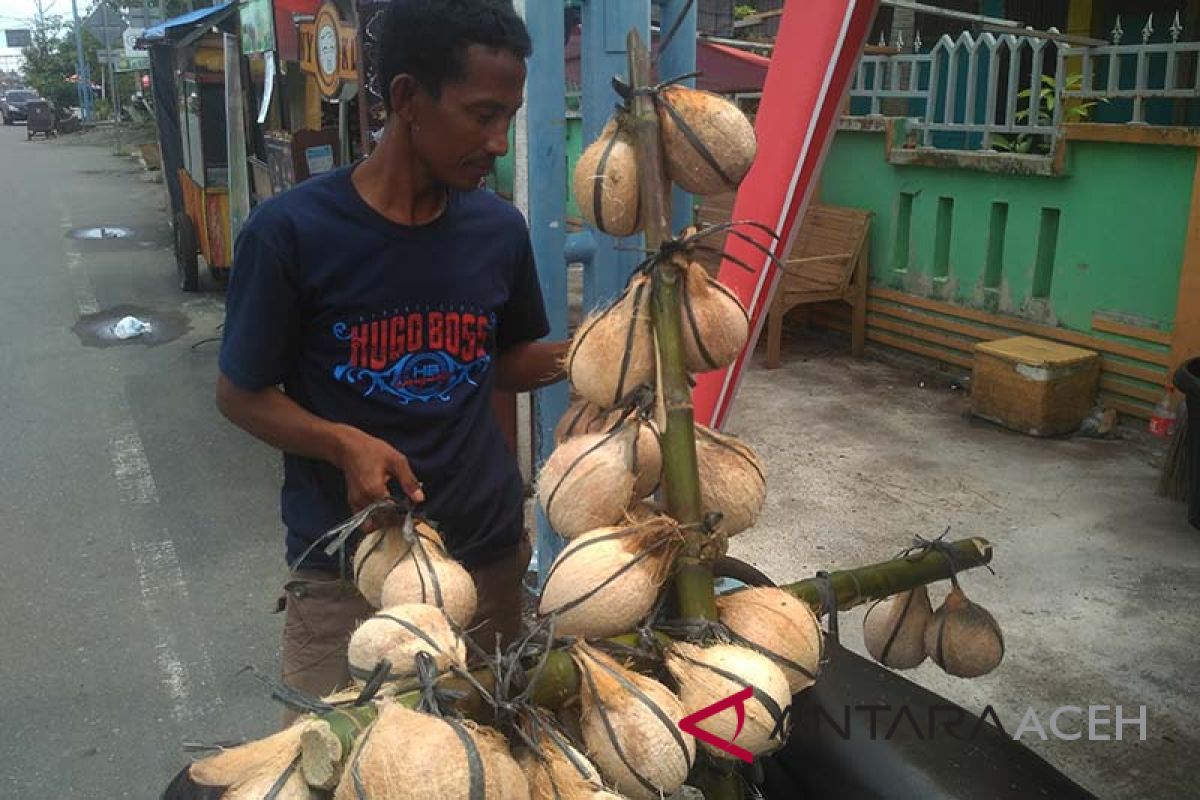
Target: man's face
459,135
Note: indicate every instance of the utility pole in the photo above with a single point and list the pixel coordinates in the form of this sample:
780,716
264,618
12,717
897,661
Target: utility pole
84,86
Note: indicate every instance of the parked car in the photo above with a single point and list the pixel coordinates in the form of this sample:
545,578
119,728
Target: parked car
12,104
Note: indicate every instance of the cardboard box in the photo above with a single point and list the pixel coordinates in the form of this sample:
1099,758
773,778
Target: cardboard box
1033,385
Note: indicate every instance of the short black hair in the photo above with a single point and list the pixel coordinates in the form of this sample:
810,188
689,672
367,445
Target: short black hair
428,39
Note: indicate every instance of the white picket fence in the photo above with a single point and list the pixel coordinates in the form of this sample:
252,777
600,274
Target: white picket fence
973,85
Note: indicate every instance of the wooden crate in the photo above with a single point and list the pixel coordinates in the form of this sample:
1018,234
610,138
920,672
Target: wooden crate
1035,386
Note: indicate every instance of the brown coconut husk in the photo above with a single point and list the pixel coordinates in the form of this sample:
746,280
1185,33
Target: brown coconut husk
963,638
708,143
606,181
779,626
715,323
427,575
629,724
584,416
279,782
557,771
707,675
647,456
380,551
894,628
612,352
246,762
733,480
408,755
606,581
589,481
398,633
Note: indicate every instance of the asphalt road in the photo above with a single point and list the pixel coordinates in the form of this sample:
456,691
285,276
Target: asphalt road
142,552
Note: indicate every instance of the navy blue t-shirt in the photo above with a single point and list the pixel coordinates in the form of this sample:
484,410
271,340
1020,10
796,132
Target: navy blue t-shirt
393,329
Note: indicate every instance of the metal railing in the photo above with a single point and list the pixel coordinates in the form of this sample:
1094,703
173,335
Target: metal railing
1103,76
1011,85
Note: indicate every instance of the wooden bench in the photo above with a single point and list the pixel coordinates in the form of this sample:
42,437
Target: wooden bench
829,260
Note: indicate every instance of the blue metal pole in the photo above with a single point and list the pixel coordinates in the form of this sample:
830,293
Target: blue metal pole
603,55
679,58
84,87
545,91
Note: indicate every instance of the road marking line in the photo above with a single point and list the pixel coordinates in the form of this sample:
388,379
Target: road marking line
163,588
81,285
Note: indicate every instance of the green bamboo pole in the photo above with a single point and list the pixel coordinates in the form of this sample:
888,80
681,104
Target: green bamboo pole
681,479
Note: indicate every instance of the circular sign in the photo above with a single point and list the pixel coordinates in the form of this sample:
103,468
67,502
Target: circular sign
328,50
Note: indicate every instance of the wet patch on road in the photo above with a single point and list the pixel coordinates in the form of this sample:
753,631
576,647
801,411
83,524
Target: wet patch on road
96,330
118,237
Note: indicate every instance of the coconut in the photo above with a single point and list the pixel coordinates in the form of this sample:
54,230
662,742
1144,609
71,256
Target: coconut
408,755
379,552
630,727
286,783
398,633
560,772
606,181
249,763
708,675
732,480
427,575
780,627
894,628
589,481
606,581
715,323
584,416
612,353
647,458
708,142
963,638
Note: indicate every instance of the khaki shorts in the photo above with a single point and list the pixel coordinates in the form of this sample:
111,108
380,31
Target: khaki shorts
323,610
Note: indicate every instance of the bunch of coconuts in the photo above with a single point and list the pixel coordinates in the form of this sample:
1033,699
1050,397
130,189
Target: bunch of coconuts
597,490
961,637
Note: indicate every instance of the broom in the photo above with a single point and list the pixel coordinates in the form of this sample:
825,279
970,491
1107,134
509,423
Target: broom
1179,473
1175,478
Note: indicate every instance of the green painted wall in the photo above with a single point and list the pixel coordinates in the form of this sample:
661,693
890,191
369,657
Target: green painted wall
1121,216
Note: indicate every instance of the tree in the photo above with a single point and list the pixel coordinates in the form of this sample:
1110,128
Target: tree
50,59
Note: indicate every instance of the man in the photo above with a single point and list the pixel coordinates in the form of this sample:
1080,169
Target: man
387,299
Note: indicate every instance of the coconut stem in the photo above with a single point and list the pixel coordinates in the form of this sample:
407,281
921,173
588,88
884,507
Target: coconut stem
876,581
681,477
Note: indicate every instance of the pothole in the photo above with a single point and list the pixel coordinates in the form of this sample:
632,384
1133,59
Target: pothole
102,233
97,330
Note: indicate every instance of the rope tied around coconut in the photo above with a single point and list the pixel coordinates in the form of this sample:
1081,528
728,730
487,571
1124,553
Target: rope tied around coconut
367,675
767,702
641,697
336,537
691,238
624,568
282,780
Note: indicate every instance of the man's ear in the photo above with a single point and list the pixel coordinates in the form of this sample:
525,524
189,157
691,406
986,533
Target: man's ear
403,94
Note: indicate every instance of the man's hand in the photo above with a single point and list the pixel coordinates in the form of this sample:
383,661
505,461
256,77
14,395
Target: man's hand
369,464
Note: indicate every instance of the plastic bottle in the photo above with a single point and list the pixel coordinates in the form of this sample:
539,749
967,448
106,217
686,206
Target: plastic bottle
1162,420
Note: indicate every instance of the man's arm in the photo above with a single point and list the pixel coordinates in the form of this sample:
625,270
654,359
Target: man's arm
530,365
367,462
